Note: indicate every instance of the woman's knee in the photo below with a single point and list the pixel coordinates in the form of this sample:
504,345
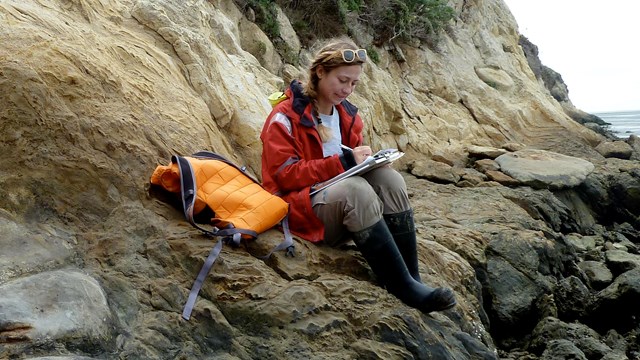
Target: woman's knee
358,191
391,188
387,178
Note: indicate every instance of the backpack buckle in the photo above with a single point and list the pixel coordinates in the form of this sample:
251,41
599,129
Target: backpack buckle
291,251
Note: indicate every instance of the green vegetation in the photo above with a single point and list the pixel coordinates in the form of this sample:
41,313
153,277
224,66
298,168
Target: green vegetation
408,19
373,54
265,15
386,20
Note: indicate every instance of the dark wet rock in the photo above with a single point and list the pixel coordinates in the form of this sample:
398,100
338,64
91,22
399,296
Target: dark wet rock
615,307
583,244
543,205
572,298
562,349
579,211
616,341
585,339
614,197
597,273
519,271
628,231
600,129
596,254
620,261
65,357
621,241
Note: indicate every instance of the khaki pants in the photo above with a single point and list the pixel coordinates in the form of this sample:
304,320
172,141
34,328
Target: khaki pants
358,202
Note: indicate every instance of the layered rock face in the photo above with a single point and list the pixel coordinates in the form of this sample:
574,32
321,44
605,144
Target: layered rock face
556,86
94,263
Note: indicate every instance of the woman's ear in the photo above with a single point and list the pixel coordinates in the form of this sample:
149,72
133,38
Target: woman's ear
320,72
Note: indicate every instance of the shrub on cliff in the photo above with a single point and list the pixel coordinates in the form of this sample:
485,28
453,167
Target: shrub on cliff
384,20
405,19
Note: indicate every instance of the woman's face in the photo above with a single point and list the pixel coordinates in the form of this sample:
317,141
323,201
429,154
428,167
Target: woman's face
336,85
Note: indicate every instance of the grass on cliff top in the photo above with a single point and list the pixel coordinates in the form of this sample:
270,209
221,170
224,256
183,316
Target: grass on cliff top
384,21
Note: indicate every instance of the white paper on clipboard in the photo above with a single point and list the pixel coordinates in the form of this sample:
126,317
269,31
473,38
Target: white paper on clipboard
381,158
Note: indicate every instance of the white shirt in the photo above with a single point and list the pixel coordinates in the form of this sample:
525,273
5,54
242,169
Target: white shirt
332,121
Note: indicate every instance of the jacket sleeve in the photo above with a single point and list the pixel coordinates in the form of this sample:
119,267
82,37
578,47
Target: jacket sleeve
286,161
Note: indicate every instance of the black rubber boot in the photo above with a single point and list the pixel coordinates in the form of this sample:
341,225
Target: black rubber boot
402,228
379,249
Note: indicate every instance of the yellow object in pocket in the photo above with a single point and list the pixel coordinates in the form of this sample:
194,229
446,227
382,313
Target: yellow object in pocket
276,98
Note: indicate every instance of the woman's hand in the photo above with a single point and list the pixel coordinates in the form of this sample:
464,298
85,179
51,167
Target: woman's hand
361,153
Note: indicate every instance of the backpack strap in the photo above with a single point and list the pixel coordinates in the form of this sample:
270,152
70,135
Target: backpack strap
228,234
214,156
202,275
287,243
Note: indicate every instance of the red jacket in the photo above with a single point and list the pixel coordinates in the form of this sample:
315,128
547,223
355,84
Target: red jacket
292,158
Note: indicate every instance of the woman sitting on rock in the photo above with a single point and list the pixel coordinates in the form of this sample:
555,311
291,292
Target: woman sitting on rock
316,134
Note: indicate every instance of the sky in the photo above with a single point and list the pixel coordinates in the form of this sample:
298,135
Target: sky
594,45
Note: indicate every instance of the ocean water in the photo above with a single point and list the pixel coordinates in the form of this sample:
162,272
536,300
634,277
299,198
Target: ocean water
623,123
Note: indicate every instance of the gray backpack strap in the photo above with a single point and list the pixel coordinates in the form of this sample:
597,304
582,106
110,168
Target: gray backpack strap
287,243
202,275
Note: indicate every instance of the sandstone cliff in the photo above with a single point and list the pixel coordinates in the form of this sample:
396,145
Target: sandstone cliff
94,94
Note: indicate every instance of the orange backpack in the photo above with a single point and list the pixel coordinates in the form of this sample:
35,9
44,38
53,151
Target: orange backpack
242,207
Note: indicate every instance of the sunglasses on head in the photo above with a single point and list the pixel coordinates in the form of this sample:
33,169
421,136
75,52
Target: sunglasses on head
349,55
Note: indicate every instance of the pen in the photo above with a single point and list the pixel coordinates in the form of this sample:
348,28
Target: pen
346,147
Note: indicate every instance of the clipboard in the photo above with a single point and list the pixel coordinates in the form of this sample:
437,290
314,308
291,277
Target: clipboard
381,158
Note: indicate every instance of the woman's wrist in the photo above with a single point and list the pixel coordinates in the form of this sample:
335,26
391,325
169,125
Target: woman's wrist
347,159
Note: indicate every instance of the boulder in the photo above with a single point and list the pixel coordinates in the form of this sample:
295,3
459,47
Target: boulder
496,78
562,349
484,152
615,149
513,146
597,273
515,282
471,177
620,261
572,298
26,249
583,244
614,195
61,305
502,178
443,158
616,306
434,171
484,165
634,141
550,331
545,169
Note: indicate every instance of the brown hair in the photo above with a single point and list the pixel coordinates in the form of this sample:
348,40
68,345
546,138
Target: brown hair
329,57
